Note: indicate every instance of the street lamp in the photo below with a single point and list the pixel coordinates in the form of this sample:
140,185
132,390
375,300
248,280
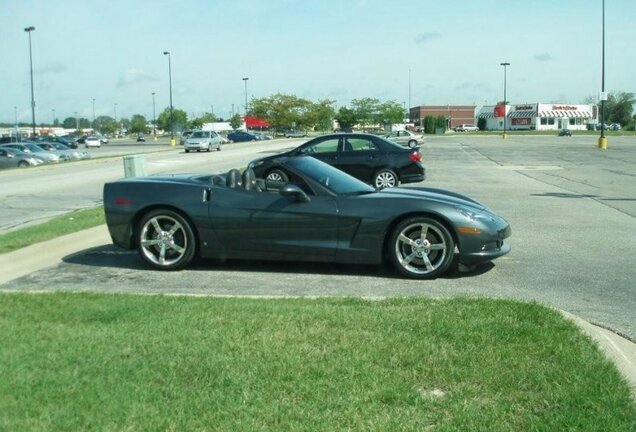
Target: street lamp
504,101
602,141
172,143
53,112
154,121
93,115
29,30
76,122
245,81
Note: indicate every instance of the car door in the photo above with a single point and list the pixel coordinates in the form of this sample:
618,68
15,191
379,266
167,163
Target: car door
359,157
267,225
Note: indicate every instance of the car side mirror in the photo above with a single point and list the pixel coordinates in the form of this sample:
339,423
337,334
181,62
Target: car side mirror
292,190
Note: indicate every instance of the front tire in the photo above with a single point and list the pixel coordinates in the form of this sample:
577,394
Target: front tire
166,240
421,248
385,178
412,143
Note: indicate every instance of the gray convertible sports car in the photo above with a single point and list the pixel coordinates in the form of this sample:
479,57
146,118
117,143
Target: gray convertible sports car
319,214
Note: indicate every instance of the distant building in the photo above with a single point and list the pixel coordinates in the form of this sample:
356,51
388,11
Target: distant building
538,116
454,114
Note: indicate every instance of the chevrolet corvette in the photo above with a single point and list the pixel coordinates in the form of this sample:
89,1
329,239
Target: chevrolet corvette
318,214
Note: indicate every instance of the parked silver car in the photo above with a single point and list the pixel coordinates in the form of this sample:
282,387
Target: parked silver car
65,153
406,138
12,158
202,140
29,147
466,128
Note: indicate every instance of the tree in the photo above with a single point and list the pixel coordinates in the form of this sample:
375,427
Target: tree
346,118
236,121
619,107
138,124
69,123
366,110
179,119
320,115
283,111
106,124
198,122
390,112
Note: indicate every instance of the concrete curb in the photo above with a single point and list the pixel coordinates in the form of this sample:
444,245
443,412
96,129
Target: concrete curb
621,351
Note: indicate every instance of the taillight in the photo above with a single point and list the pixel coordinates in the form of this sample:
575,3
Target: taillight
416,156
123,201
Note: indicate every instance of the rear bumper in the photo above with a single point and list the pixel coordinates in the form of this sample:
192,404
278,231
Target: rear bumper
413,177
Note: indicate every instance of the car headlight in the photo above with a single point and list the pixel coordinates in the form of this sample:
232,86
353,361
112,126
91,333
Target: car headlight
473,215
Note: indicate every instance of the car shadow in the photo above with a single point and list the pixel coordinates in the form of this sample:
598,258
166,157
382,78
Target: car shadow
110,256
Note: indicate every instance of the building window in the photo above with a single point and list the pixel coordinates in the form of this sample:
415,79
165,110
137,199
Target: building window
551,121
544,121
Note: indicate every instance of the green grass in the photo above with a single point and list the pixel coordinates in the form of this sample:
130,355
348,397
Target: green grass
58,226
119,362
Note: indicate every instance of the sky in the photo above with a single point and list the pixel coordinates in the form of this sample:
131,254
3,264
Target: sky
414,52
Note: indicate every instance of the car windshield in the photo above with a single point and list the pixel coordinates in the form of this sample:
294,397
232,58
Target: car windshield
200,134
34,148
328,176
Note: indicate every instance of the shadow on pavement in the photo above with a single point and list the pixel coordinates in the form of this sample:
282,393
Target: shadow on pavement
110,256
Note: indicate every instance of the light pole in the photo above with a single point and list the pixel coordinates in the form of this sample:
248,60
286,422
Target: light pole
172,142
602,141
15,112
29,30
154,121
93,115
76,122
505,65
245,81
53,112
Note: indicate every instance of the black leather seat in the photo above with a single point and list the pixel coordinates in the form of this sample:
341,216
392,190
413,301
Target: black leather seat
250,182
233,178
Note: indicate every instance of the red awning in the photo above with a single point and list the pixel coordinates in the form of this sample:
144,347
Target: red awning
255,122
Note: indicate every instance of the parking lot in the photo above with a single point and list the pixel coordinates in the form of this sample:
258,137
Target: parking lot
572,208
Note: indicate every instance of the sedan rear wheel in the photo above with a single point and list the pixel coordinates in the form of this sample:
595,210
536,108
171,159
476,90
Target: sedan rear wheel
385,178
421,248
23,164
412,143
166,240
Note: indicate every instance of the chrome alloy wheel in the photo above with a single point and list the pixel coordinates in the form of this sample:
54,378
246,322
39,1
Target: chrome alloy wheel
421,249
385,179
163,240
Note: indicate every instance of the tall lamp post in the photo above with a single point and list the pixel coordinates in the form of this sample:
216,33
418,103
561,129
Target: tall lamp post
505,101
29,30
93,115
602,141
154,118
245,81
172,142
53,112
76,122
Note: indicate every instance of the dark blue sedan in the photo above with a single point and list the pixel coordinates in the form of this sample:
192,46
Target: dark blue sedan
240,136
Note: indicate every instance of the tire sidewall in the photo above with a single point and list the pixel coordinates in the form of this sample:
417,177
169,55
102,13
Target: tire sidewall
191,249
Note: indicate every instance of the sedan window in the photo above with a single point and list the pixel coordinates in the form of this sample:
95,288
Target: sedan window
357,144
327,146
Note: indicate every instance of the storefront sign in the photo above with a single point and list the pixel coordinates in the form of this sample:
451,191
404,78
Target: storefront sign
524,107
521,121
564,108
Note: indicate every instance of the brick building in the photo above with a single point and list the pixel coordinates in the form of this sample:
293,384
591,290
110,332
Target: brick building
455,114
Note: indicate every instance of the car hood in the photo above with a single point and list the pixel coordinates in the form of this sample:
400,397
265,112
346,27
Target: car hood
433,194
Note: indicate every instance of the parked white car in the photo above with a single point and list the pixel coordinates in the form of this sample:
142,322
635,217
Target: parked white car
92,141
202,140
466,128
405,137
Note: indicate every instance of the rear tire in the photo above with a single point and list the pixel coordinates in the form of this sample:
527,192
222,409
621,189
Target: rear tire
421,248
165,240
385,178
23,164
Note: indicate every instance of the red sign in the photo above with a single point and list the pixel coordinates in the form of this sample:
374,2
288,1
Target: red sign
522,121
500,111
563,108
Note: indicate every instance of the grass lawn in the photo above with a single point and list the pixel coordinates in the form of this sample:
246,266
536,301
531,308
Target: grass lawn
58,226
121,362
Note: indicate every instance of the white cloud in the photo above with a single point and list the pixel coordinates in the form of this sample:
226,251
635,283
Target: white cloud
133,76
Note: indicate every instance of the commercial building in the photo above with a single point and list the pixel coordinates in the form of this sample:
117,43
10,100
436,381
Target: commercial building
454,114
538,116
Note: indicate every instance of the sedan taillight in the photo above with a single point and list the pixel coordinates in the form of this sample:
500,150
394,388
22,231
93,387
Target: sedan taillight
416,156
